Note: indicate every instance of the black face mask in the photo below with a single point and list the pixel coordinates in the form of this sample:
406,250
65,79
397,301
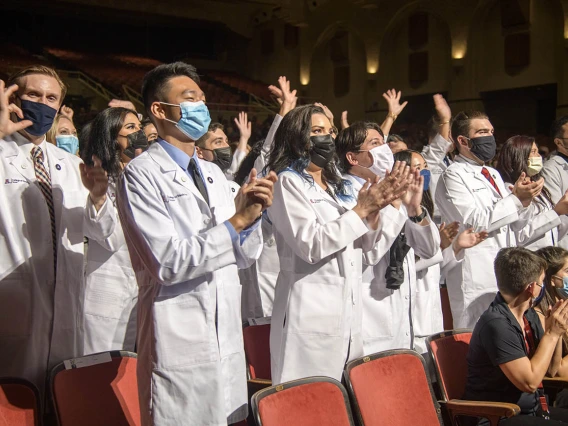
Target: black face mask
39,114
137,140
322,150
484,147
223,157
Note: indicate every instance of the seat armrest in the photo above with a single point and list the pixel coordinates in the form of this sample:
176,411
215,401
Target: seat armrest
555,382
254,385
490,410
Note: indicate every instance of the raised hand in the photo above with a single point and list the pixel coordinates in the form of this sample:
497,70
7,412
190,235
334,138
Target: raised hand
115,103
344,122
243,125
413,197
67,112
442,108
7,126
557,321
253,198
448,233
468,239
326,111
95,179
526,190
393,100
378,194
561,206
285,97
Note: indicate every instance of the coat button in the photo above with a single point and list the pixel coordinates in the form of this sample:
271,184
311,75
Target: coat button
24,166
183,179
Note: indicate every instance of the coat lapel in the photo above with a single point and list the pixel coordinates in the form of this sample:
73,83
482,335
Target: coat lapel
179,176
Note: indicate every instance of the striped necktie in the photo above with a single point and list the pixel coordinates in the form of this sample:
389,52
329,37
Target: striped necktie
44,182
488,176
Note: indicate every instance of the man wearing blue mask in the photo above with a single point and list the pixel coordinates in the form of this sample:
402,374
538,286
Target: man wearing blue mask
473,194
187,238
50,201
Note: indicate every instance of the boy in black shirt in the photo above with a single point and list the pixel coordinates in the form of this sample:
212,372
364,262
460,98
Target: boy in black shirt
509,351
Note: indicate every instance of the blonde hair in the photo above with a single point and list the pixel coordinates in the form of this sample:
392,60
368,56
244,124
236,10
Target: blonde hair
38,69
52,133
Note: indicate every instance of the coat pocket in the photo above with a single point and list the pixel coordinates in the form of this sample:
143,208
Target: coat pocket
316,305
182,333
16,304
109,290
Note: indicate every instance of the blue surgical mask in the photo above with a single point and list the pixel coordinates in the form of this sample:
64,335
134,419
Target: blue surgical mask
68,143
41,116
195,119
427,175
564,290
540,296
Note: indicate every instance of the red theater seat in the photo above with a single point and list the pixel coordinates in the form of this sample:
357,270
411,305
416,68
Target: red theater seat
100,394
391,388
19,403
313,401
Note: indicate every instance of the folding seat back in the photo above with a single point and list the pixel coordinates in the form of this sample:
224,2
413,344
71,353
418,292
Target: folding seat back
313,401
99,389
449,353
257,350
392,388
19,403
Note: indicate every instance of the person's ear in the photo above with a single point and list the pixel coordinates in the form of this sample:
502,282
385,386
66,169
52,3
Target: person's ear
352,158
158,111
199,153
559,143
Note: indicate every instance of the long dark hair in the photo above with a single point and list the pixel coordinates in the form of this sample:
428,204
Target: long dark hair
248,163
555,258
427,201
291,149
101,140
514,160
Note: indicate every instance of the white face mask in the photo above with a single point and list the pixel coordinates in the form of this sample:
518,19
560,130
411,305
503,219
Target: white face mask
383,159
535,165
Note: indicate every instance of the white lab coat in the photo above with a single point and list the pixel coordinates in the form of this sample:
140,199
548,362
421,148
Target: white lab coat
388,315
259,281
189,370
555,174
316,318
111,293
435,153
466,196
41,316
539,226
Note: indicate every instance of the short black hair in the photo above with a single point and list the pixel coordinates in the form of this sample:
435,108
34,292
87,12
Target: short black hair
351,138
556,128
156,81
515,268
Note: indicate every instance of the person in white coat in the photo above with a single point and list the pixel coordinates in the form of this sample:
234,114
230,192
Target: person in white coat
111,292
555,171
259,281
187,236
389,287
545,223
50,200
475,196
321,231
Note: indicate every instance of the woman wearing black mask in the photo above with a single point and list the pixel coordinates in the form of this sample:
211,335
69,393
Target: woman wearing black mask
543,224
111,293
322,233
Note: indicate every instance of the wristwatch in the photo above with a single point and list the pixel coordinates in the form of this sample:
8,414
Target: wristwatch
420,217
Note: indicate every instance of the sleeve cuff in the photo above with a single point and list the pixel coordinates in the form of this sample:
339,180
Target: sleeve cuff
231,228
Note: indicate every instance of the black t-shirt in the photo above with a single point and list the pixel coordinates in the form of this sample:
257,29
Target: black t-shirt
498,338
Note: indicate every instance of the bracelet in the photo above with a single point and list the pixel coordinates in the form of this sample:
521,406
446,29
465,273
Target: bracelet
445,122
393,116
419,218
